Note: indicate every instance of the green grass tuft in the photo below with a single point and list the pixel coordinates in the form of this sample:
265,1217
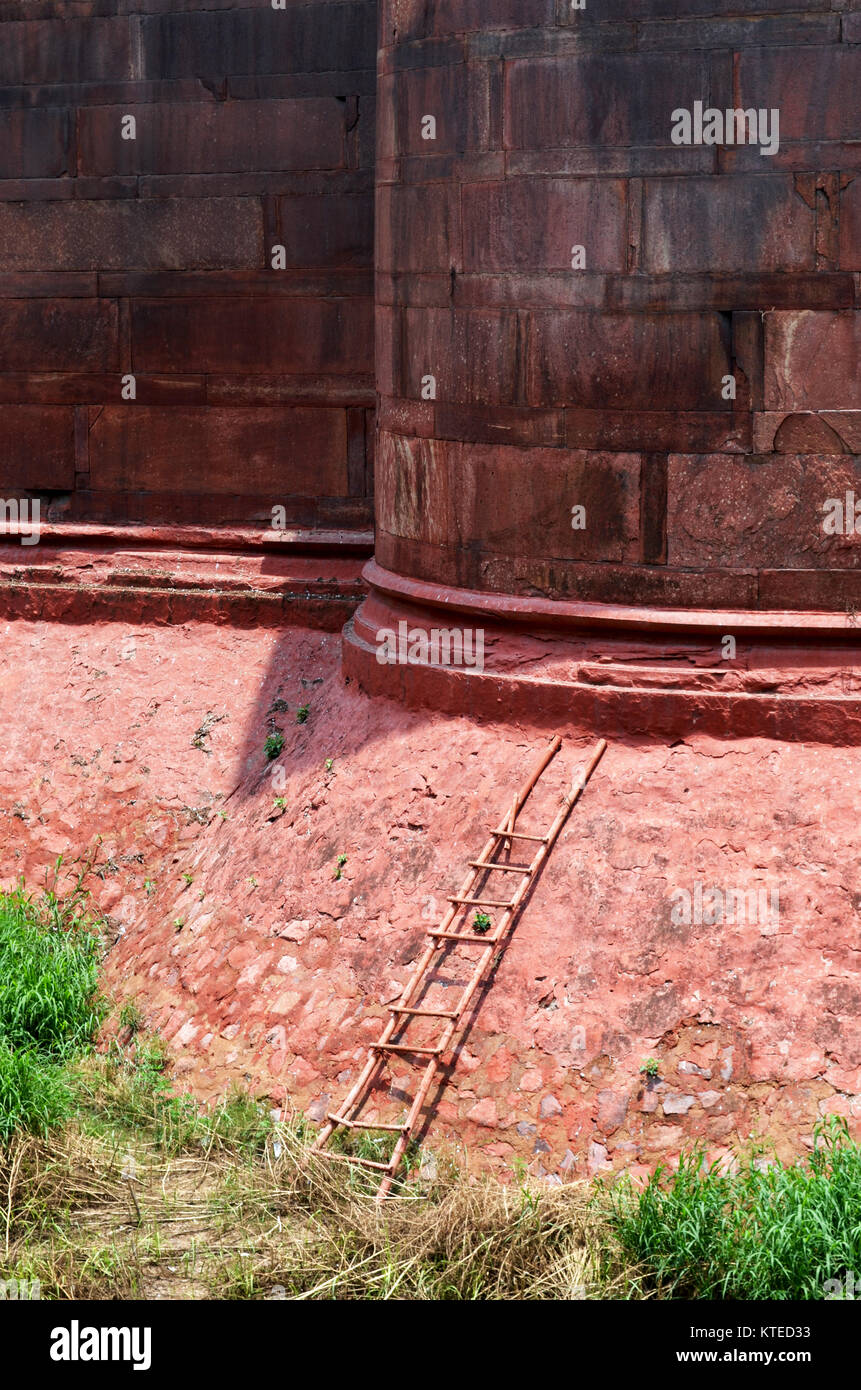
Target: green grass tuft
50,1007
34,1094
765,1231
49,966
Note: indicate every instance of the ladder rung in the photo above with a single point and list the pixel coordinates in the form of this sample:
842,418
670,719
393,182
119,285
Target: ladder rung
405,1047
345,1158
463,936
518,835
501,868
422,1013
480,902
364,1124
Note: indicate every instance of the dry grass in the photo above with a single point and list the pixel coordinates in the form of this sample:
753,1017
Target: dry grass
224,1225
460,1237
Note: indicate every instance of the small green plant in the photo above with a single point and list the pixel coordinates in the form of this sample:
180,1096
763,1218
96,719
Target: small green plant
651,1066
342,859
279,803
178,923
131,1016
273,745
481,923
302,714
149,886
187,880
329,763
251,881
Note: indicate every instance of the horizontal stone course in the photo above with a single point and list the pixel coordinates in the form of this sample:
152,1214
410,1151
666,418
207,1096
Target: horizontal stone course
152,256
259,41
815,89
182,137
485,494
70,49
550,102
34,144
266,451
533,224
165,234
627,361
251,335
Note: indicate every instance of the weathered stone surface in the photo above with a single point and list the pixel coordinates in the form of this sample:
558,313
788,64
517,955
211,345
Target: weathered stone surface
815,97
549,102
301,38
627,361
741,224
45,335
418,229
37,447
438,491
34,144
534,224
811,361
759,510
68,49
318,230
612,1109
677,1105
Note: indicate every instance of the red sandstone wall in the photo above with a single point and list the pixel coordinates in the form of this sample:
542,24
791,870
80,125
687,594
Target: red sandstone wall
603,386
152,257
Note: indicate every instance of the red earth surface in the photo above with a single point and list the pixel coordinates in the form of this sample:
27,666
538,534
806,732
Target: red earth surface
137,753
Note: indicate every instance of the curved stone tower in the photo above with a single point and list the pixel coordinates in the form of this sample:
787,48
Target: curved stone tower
618,339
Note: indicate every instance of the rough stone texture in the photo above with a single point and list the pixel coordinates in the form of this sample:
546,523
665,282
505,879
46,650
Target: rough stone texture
268,966
254,128
715,515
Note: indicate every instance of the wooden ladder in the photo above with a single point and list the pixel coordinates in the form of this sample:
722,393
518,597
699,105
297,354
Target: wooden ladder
440,939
